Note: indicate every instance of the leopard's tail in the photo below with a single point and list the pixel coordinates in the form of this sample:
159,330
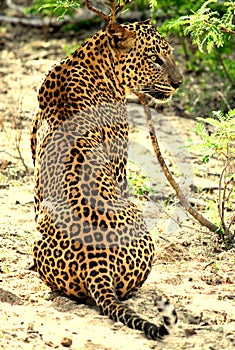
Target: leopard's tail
109,305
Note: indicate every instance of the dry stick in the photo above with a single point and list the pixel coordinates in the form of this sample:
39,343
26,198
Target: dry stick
18,136
221,204
201,219
98,12
232,220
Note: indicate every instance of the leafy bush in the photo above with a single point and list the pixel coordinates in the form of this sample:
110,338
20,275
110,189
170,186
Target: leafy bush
217,139
58,8
207,34
208,27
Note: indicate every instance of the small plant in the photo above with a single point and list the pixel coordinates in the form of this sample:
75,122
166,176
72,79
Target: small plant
216,267
219,141
138,183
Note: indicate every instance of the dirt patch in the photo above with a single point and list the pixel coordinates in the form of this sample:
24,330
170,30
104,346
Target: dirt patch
190,267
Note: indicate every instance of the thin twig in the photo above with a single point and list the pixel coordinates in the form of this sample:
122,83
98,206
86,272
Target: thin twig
18,136
209,264
232,220
178,223
227,30
221,204
95,10
226,72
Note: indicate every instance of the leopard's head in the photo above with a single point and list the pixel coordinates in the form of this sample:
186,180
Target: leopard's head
144,60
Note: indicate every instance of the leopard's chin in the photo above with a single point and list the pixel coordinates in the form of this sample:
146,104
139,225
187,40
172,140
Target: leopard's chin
159,96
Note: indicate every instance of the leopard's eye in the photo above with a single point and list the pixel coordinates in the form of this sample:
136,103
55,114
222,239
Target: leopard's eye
157,59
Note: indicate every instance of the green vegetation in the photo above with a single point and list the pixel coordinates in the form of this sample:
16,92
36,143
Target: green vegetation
58,8
217,140
208,28
211,29
139,184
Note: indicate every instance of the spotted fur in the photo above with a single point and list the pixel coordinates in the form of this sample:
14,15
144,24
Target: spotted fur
94,242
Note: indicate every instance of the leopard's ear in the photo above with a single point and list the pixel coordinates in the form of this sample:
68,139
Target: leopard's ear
120,37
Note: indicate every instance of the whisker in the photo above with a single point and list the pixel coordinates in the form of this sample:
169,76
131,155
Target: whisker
161,88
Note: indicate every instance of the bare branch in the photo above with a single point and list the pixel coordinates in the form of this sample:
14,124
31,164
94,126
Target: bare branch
115,10
18,135
120,6
185,203
232,220
227,30
98,12
223,197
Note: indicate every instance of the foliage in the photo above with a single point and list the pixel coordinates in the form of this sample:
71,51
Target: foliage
208,28
138,183
219,141
153,5
54,7
70,48
217,135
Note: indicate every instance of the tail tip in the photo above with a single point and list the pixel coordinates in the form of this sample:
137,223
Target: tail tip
167,311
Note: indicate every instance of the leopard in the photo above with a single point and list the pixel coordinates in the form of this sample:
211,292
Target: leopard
93,241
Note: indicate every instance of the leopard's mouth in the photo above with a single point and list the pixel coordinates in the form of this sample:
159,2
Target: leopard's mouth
163,94
159,95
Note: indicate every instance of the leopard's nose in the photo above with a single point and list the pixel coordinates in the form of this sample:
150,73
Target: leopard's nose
177,84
